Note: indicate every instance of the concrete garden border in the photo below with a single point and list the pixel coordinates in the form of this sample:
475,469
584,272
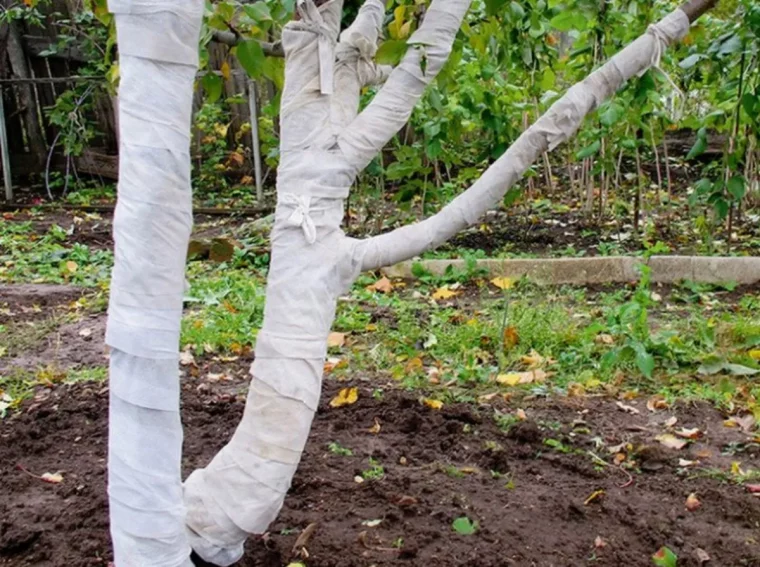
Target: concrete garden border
603,269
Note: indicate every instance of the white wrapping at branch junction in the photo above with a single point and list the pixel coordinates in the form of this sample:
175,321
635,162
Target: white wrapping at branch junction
158,57
324,145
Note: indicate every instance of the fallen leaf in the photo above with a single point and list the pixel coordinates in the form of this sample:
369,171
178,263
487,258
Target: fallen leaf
692,502
503,283
687,463
86,332
432,404
186,358
746,423
689,433
383,285
236,158
515,378
605,339
53,478
671,441
510,337
576,390
336,340
701,556
657,403
444,293
753,488
671,421
406,501
304,537
375,429
599,543
521,415
345,397
596,495
627,409
372,523
334,363
71,266
736,468
358,479
534,360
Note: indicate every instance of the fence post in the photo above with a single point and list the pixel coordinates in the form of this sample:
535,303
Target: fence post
5,152
256,146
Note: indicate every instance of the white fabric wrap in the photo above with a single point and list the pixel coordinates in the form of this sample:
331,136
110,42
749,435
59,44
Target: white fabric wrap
556,126
158,58
243,488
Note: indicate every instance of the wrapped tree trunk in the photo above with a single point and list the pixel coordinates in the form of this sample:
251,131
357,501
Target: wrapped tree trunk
325,144
158,58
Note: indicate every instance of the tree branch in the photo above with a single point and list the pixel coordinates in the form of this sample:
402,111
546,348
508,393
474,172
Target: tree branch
231,39
429,49
556,126
695,8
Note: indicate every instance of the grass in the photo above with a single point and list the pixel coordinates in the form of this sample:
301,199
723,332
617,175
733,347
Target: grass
614,341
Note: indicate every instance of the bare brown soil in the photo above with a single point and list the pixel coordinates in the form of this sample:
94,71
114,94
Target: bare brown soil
530,501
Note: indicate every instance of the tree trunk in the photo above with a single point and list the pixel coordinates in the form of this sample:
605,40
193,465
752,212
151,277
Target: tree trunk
324,144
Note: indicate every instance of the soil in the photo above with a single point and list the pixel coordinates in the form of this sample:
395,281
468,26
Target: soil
538,512
35,315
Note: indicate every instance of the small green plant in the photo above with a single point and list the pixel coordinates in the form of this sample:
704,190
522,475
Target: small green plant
374,472
665,558
464,526
337,449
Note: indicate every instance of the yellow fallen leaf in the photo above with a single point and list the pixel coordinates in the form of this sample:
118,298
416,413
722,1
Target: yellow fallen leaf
576,390
444,293
375,429
755,354
511,338
516,378
534,360
432,404
71,266
413,365
345,397
671,441
336,339
736,468
503,283
383,285
596,495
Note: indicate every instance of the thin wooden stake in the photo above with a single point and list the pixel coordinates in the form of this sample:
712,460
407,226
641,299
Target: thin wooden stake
5,151
255,143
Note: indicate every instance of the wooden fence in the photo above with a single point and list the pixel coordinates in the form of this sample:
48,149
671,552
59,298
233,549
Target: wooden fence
33,75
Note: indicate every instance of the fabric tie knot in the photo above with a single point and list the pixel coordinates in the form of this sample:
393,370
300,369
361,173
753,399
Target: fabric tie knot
314,22
300,216
664,33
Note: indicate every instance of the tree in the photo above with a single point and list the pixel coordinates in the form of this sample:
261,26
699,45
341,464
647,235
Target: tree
325,143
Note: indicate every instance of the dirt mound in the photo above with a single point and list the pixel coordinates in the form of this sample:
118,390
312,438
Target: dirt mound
423,470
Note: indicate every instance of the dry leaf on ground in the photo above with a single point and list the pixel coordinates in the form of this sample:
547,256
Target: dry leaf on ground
383,285
432,404
444,293
671,441
503,282
336,339
345,397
